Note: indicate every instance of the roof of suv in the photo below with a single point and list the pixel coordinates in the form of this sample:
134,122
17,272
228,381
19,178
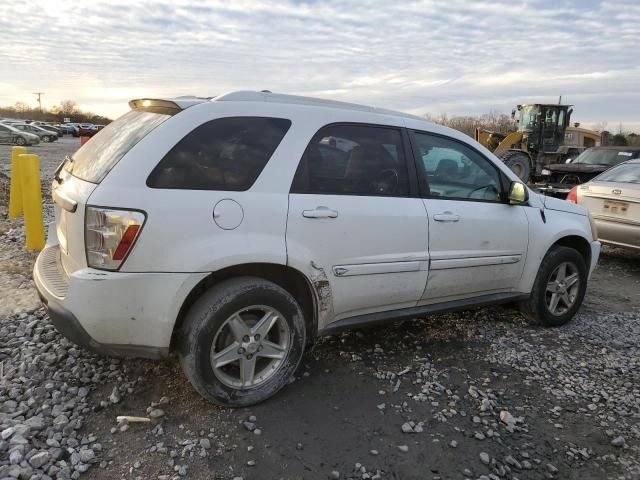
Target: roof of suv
181,103
252,96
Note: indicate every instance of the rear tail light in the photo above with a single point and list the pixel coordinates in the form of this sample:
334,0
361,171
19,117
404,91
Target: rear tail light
110,235
573,195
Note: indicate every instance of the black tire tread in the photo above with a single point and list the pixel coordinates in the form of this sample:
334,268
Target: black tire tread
534,308
203,312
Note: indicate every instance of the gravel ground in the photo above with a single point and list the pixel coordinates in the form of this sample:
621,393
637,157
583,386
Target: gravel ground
478,395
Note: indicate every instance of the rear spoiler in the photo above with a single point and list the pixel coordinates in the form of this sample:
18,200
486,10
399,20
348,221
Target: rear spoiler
167,106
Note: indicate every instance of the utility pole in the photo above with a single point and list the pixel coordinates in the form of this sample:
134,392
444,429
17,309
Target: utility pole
39,94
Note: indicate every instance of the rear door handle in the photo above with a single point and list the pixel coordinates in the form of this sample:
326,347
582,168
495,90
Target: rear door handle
320,212
446,217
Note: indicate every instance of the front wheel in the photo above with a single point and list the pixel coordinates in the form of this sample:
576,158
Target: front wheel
559,287
20,141
46,139
242,341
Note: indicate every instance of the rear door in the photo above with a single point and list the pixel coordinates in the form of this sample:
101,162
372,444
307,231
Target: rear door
477,242
354,218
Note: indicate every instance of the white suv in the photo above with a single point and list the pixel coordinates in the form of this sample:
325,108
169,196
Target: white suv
234,230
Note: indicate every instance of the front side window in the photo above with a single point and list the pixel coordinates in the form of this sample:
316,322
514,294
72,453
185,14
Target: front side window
455,171
223,154
353,160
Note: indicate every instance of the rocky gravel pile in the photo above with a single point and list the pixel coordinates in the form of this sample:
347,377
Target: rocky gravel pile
46,381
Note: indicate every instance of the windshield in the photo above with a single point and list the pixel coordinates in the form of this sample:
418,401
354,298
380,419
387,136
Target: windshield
528,118
98,156
625,173
603,157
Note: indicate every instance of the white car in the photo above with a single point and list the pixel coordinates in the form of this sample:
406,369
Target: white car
235,230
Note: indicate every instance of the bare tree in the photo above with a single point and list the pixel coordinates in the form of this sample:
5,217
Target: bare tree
67,107
21,107
493,121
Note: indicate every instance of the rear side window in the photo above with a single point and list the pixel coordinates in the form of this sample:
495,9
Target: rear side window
97,157
353,160
223,154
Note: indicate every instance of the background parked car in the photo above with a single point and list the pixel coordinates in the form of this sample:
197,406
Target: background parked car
69,129
48,126
86,129
560,178
613,199
45,135
11,135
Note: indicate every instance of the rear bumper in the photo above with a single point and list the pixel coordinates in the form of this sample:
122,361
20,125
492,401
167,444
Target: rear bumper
618,232
112,313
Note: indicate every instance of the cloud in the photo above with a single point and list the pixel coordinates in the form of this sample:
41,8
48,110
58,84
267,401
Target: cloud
431,56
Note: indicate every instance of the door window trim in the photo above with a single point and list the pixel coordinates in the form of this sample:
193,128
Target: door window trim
407,148
424,181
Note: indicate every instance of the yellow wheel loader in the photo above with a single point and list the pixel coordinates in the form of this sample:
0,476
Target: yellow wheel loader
543,137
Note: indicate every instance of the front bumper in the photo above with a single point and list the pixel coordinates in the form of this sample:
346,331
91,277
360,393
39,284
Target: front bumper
554,190
112,313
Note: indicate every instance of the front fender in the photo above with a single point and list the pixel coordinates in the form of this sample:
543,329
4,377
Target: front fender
546,232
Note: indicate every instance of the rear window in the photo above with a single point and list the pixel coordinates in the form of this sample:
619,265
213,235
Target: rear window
223,154
97,157
625,173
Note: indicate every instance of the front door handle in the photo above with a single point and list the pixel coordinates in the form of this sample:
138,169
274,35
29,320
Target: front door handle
446,217
320,212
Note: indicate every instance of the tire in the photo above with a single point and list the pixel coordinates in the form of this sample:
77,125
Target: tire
207,330
538,306
20,141
46,139
518,162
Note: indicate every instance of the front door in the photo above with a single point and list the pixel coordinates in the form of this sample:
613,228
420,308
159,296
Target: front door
353,224
477,241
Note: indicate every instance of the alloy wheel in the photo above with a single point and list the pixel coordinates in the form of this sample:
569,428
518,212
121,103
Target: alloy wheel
250,346
562,289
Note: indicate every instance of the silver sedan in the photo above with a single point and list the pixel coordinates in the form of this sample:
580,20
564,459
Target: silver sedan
613,199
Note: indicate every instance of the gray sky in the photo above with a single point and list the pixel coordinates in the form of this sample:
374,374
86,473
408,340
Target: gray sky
453,56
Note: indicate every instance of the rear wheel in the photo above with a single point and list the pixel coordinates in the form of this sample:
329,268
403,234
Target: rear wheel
518,162
242,341
559,287
20,141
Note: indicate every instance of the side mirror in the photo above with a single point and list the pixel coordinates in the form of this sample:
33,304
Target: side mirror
518,193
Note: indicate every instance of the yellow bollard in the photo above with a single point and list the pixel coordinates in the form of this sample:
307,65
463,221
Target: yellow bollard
15,189
32,201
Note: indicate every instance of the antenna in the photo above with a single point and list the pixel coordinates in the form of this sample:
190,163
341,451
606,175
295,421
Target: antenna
560,100
39,94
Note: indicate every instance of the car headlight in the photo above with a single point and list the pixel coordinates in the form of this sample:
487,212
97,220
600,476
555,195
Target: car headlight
594,227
